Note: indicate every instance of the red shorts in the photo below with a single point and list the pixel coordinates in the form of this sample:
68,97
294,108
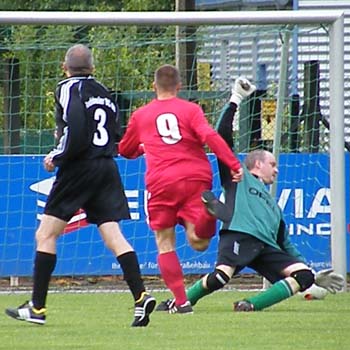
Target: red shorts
175,204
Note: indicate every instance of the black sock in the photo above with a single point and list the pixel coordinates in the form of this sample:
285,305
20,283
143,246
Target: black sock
132,275
44,264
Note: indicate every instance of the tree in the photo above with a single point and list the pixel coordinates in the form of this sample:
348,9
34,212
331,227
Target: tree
123,61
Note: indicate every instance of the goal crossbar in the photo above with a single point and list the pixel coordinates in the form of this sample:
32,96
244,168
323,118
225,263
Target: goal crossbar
171,18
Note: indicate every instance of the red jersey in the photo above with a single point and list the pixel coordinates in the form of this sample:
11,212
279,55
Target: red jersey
172,134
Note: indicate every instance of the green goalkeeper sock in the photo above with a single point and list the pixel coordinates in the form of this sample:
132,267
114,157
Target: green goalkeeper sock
278,292
196,292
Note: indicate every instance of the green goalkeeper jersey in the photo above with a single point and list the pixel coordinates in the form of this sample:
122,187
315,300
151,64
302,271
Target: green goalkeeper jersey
254,210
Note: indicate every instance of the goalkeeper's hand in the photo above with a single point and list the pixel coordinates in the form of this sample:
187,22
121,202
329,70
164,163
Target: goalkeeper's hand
330,280
242,88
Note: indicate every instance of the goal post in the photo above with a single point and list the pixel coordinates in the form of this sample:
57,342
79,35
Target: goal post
333,19
337,163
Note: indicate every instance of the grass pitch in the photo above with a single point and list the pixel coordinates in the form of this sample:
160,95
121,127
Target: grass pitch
102,321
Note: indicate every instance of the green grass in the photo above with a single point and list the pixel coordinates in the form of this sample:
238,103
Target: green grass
101,321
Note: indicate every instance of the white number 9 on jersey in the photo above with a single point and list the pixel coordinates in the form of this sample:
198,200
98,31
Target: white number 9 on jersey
168,128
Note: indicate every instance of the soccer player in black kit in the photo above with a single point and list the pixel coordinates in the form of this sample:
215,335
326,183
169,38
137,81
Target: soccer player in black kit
87,178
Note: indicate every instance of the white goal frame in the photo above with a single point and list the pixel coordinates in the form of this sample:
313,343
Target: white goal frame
335,20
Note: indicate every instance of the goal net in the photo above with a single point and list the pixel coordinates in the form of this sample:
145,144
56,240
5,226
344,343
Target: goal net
292,114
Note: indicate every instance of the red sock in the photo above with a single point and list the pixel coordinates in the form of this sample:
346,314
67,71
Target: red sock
205,226
171,272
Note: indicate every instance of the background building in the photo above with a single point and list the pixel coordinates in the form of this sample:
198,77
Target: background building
256,54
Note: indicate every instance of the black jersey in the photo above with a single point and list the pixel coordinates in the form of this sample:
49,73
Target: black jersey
86,121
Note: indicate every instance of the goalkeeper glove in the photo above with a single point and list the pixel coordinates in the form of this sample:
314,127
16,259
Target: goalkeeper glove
330,280
242,88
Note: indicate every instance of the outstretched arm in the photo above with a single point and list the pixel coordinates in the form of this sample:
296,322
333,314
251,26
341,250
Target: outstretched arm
225,121
130,145
241,89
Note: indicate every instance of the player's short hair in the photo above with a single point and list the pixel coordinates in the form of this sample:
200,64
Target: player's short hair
167,77
79,59
253,156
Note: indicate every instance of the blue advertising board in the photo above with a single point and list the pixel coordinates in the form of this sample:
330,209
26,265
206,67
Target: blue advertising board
303,194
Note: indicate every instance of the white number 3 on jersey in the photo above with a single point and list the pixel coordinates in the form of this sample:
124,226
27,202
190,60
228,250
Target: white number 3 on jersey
101,134
168,128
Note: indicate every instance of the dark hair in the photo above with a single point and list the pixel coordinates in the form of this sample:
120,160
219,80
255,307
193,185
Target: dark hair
167,77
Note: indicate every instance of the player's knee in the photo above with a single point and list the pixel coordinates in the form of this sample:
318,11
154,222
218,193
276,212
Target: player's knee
199,244
305,278
216,280
42,235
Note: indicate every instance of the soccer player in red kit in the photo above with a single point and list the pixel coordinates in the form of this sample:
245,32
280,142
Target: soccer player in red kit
172,133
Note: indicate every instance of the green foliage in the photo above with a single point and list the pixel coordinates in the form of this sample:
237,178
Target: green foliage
150,5
87,5
39,69
125,56
102,322
133,55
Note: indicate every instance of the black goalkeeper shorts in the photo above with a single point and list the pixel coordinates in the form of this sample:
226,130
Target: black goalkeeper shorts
242,250
92,185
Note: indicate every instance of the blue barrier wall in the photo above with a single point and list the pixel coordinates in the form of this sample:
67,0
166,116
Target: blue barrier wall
303,194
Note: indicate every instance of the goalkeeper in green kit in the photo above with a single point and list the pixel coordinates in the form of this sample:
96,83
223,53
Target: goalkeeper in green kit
254,234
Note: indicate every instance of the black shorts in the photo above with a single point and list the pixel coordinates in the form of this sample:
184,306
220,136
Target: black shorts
241,250
92,185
